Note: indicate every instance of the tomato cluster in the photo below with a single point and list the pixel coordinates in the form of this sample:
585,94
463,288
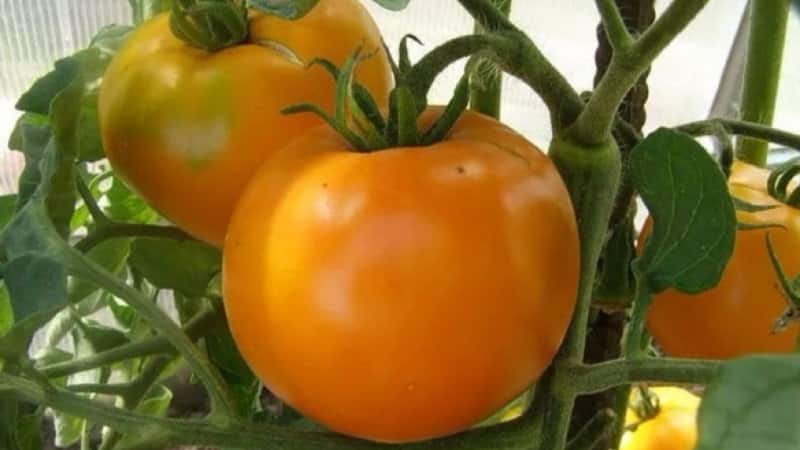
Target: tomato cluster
394,295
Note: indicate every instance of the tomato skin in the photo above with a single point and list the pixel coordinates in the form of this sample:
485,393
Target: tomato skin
187,128
674,428
737,316
403,294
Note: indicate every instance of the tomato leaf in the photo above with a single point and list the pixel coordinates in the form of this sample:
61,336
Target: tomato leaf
693,214
124,205
393,5
19,430
753,403
286,9
8,204
6,312
111,255
187,267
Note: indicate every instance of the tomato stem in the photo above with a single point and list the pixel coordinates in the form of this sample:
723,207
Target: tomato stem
123,230
627,65
209,25
78,265
486,77
592,378
768,19
200,325
594,430
752,130
636,328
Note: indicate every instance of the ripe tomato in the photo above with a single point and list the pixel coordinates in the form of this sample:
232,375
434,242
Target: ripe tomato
674,428
738,315
407,293
187,128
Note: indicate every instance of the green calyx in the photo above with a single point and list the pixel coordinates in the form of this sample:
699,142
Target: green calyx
359,120
210,25
778,184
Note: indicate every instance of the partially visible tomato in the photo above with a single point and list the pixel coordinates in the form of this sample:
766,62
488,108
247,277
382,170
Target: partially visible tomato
407,293
737,317
674,428
188,128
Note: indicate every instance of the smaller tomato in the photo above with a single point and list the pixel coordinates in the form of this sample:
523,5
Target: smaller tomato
673,428
738,316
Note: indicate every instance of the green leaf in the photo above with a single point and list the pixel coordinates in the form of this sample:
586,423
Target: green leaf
286,9
156,404
37,99
6,311
754,403
8,204
124,205
694,217
18,430
67,429
35,283
112,256
32,139
187,267
393,5
225,356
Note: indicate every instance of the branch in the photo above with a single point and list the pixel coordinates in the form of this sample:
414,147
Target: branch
594,124
120,230
515,435
618,35
222,406
513,52
488,16
742,128
198,326
599,377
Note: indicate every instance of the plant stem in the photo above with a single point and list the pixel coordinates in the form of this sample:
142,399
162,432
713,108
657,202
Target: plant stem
742,128
486,92
120,230
768,19
616,31
135,392
627,65
223,408
594,431
635,331
590,378
520,57
515,435
198,326
591,176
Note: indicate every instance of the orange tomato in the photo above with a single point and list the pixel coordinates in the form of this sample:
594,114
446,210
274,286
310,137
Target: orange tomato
407,293
738,315
673,428
188,128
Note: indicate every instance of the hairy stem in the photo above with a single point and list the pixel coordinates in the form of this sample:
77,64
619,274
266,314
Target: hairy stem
199,325
590,378
168,433
486,90
223,408
616,31
627,65
121,230
742,128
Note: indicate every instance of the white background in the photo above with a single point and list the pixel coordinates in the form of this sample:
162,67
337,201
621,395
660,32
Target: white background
682,84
